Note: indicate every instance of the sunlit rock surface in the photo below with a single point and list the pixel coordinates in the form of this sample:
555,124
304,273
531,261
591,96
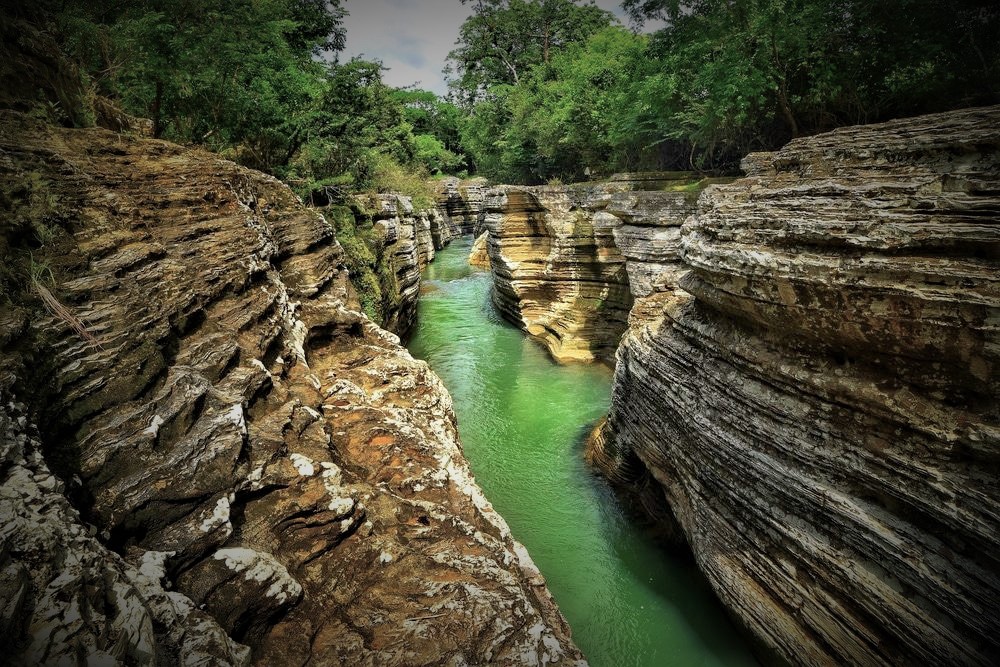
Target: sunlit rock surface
479,255
567,260
557,273
262,466
816,412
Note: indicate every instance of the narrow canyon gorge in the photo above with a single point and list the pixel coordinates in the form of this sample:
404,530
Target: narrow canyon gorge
231,464
806,389
216,451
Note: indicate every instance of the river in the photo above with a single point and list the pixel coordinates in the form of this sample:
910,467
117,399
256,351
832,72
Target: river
522,419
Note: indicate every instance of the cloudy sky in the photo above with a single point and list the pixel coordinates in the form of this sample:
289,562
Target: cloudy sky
412,37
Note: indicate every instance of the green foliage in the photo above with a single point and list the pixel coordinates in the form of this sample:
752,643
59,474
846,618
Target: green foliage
388,176
31,209
750,75
360,134
721,79
237,75
360,244
371,270
428,114
504,39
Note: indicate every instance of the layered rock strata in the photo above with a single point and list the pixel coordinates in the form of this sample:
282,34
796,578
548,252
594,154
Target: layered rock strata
404,240
819,403
462,204
567,260
479,255
269,477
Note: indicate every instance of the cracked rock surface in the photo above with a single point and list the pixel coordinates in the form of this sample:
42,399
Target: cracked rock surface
813,406
270,477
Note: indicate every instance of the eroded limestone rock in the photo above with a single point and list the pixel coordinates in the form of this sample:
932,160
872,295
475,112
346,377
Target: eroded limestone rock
819,406
567,260
479,255
242,438
462,204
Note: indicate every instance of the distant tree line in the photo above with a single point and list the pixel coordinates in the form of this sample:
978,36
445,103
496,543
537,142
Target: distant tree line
539,89
551,88
258,81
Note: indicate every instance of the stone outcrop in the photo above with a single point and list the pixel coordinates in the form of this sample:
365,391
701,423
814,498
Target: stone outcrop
556,271
462,204
398,242
479,255
269,477
404,240
567,260
815,410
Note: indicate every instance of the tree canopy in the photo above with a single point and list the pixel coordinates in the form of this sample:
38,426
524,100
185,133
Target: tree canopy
721,79
504,39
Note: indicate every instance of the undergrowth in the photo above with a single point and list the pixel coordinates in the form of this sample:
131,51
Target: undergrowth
371,271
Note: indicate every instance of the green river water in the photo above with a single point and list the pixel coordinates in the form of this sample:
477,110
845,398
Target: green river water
522,419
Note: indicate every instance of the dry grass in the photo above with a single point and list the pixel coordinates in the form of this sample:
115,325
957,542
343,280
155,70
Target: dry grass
63,313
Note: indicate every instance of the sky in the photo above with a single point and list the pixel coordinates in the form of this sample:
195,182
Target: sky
413,37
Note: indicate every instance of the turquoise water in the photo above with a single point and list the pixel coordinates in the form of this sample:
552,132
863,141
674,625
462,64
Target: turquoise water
522,419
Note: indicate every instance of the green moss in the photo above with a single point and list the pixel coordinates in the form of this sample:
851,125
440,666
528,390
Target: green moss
371,270
31,218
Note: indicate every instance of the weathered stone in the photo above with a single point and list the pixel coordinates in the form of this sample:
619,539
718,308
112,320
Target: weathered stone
567,260
462,205
240,433
557,273
819,404
65,597
479,255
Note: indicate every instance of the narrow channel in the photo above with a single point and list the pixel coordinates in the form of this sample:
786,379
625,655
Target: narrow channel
522,419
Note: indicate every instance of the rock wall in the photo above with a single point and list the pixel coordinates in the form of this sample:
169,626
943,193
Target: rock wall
462,204
406,244
479,253
816,410
402,242
567,260
260,473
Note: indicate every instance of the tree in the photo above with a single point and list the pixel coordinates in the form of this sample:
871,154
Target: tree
234,74
504,39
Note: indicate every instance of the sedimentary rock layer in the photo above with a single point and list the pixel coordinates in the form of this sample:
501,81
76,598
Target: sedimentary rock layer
556,271
567,260
462,205
819,403
406,244
479,255
262,465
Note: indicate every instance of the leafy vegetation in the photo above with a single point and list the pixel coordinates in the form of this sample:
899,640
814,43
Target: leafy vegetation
371,273
256,80
540,90
721,78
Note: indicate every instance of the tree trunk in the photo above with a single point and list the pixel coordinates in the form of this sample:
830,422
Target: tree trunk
786,109
156,110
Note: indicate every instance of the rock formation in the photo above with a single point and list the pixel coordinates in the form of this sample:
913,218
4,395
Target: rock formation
567,259
816,409
260,474
462,205
406,243
479,255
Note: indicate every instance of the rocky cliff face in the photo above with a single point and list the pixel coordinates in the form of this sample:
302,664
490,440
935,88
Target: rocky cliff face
816,409
406,243
567,260
462,204
259,473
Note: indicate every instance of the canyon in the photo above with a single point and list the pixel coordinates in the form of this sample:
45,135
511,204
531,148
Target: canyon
806,395
210,455
216,452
